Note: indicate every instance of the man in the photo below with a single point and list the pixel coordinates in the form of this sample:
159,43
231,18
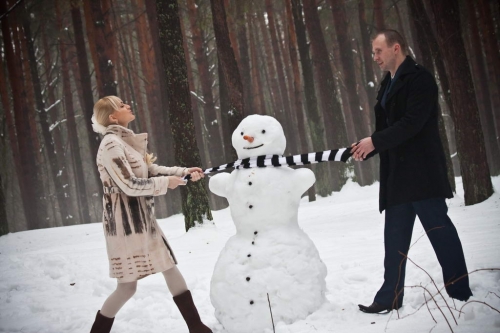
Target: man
413,179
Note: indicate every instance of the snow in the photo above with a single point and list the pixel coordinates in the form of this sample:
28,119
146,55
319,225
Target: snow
269,260
38,268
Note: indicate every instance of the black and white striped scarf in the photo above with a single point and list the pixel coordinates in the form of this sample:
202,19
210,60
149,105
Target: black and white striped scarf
338,155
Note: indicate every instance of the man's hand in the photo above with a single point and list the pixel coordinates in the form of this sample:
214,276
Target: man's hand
196,173
362,149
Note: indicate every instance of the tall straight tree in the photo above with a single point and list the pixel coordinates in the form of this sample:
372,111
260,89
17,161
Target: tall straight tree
229,66
422,24
101,47
378,13
194,196
56,170
360,117
297,86
85,80
214,140
316,125
483,93
492,54
4,226
284,114
161,126
81,190
240,23
367,56
470,141
31,185
271,76
332,112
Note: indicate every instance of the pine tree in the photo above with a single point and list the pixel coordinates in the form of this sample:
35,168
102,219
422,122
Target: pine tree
194,196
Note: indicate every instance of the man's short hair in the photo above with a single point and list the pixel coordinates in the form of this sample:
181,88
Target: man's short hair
392,37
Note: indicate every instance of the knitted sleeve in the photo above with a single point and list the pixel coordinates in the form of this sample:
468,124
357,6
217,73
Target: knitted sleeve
158,170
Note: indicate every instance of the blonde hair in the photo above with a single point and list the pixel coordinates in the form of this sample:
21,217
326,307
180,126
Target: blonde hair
104,108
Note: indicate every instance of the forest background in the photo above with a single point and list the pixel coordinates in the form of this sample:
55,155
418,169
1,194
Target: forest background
191,70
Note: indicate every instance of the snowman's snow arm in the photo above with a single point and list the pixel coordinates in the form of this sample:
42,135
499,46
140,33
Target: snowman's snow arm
218,184
303,178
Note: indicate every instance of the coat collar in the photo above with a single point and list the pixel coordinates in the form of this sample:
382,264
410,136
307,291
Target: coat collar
408,66
137,141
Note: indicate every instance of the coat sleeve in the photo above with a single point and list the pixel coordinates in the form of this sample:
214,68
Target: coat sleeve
421,102
158,170
116,164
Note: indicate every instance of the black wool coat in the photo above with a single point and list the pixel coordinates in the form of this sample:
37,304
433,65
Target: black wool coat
412,160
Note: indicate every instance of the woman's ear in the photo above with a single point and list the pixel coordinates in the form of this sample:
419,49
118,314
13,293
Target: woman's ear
112,119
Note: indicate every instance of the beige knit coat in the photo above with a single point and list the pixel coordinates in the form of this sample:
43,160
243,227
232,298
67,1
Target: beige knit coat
135,244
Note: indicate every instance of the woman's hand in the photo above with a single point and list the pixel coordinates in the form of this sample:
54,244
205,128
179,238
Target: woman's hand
174,181
196,173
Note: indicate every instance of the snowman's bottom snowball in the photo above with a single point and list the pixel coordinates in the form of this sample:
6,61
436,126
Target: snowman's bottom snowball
292,274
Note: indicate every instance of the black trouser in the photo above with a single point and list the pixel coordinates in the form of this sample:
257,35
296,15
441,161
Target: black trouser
399,222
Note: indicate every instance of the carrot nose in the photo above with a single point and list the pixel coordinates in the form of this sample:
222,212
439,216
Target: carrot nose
248,138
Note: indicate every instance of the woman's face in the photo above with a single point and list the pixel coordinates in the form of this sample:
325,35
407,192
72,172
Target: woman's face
123,115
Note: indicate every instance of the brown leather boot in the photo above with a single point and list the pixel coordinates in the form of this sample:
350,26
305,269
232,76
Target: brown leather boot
186,306
102,324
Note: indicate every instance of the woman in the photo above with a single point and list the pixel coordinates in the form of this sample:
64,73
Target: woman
135,244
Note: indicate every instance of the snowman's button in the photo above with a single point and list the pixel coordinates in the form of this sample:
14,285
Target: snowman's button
248,278
250,183
255,233
251,206
253,243
251,302
249,255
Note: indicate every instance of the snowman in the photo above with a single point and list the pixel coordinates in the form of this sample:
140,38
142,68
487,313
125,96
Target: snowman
270,263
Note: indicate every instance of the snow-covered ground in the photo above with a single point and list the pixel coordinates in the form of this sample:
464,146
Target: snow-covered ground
54,280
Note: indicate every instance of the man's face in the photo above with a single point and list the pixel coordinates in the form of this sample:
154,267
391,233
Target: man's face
383,55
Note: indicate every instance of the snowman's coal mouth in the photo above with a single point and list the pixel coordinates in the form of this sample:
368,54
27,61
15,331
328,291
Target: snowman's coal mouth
253,147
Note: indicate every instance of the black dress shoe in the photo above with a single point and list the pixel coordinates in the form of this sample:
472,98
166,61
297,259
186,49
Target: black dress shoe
376,308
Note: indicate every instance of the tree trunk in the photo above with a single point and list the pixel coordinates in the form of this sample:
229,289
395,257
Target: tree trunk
337,137
198,116
282,115
482,91
9,123
492,54
86,84
31,186
272,77
314,120
83,207
214,140
370,78
244,58
443,78
4,225
194,197
297,87
56,170
225,107
161,126
378,13
229,65
101,48
470,141
257,83
359,117
421,21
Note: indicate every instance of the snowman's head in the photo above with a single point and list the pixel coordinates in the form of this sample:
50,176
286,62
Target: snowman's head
259,135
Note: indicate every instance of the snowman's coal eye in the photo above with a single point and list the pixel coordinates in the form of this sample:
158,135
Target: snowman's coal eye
241,133
263,131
